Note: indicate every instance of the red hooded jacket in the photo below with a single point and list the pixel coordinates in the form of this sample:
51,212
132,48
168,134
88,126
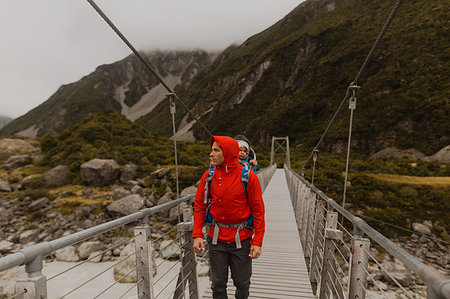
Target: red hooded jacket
229,205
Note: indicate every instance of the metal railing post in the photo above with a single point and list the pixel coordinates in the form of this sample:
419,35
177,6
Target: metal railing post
35,285
319,221
272,151
188,263
304,216
329,280
359,263
311,205
144,262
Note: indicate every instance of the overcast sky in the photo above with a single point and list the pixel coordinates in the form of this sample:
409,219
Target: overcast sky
47,43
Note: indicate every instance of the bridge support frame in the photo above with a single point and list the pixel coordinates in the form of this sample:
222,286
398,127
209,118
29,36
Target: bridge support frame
284,142
35,285
144,261
359,262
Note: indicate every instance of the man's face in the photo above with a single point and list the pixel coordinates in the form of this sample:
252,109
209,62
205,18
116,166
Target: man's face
243,152
216,155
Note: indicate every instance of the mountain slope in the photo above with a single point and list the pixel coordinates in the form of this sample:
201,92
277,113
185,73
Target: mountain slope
4,120
124,86
290,78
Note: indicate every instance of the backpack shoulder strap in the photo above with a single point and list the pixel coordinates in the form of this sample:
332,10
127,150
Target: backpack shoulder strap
245,173
208,183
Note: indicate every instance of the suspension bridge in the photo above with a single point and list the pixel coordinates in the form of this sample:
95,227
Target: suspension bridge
307,252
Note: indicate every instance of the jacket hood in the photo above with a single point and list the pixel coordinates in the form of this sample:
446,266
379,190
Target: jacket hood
230,149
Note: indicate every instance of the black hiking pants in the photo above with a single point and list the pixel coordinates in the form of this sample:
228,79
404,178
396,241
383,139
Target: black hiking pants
223,256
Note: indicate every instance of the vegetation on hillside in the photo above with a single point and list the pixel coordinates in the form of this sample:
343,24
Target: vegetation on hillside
314,53
109,135
397,191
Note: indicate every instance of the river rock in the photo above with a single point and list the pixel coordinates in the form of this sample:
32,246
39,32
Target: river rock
67,254
6,246
169,249
57,176
87,248
421,228
397,270
95,257
127,205
127,265
28,236
128,173
4,186
99,172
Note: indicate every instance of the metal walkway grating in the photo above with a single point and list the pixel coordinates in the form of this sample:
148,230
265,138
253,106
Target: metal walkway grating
281,271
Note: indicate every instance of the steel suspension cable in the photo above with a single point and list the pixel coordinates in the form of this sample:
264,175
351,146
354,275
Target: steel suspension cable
146,63
362,68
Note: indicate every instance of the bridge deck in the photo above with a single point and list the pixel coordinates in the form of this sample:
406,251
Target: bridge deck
281,271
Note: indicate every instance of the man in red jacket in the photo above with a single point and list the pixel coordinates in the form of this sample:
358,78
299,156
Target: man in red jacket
230,244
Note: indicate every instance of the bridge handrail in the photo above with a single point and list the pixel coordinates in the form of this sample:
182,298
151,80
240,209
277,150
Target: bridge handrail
439,283
28,254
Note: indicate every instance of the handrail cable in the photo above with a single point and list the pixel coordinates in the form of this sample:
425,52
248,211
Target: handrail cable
79,264
134,285
374,282
340,253
146,63
331,280
97,275
382,268
404,229
117,281
24,291
355,81
166,286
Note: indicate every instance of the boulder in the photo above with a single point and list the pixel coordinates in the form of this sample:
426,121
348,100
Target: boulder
95,257
4,186
127,265
39,204
169,249
188,191
128,173
28,236
397,270
67,254
31,181
175,211
6,246
87,248
127,205
421,228
18,160
119,193
99,172
57,176
160,173
164,199
137,190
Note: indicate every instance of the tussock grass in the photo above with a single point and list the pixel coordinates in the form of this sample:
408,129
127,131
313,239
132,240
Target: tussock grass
411,180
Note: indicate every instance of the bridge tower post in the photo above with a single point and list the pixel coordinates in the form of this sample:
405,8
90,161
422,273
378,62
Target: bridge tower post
279,145
35,285
144,261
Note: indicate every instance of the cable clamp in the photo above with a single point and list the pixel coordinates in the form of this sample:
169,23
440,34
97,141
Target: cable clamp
352,101
171,96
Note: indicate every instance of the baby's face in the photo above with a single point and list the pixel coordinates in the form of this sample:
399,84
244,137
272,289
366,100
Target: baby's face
243,152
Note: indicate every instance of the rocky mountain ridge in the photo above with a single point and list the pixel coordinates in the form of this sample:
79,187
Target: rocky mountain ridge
124,86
